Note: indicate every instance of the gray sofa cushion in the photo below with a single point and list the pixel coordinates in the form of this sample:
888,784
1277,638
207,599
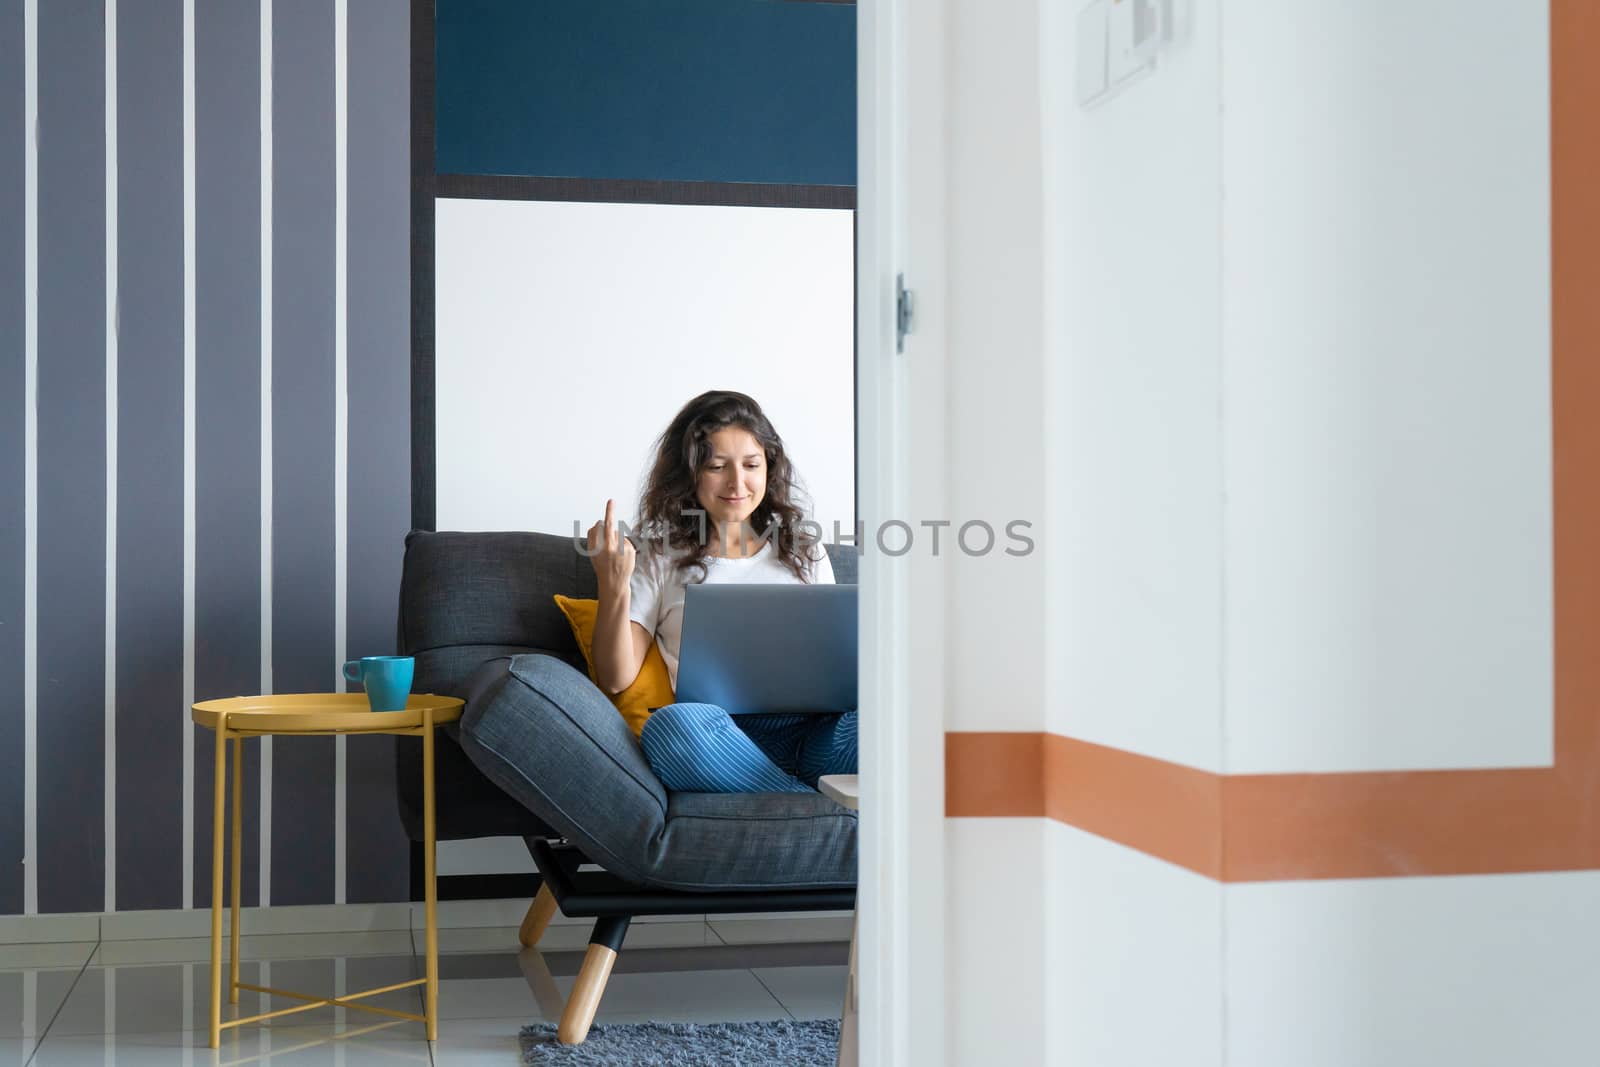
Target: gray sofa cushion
460,591
846,563
542,731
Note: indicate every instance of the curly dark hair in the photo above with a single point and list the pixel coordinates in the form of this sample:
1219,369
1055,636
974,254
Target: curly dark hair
669,504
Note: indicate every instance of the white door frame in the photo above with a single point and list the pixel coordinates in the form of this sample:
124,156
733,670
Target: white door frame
900,899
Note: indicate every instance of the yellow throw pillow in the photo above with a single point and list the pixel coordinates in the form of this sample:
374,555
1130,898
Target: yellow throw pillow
651,690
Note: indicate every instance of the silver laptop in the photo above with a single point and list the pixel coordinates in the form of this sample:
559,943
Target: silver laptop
769,648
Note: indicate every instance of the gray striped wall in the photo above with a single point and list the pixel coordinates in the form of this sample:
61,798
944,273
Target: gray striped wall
107,806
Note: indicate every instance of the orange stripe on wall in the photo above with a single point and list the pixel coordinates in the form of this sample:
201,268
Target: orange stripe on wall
1285,827
1161,808
1289,827
1165,809
1305,826
994,775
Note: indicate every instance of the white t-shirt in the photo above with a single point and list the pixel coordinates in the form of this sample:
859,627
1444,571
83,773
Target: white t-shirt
655,592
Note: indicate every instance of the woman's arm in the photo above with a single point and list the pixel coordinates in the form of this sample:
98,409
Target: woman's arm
620,643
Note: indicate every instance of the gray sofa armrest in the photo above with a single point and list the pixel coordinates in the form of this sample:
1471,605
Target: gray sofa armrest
546,734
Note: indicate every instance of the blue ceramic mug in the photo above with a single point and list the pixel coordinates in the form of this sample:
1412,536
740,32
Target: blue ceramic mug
387,680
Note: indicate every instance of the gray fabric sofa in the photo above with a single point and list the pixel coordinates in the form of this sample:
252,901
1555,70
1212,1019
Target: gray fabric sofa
542,731
541,753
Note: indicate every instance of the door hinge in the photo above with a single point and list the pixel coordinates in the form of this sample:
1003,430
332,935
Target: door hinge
905,303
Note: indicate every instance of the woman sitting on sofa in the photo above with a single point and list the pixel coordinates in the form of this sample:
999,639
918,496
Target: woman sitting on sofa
718,507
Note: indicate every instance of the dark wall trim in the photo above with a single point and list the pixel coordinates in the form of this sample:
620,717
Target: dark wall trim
423,473
629,191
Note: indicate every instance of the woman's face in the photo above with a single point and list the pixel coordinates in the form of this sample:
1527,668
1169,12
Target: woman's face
734,480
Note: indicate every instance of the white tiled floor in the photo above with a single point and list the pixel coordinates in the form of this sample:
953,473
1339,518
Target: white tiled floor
137,1003
763,931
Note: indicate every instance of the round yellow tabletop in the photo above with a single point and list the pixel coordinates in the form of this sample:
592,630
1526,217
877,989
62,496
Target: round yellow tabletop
323,713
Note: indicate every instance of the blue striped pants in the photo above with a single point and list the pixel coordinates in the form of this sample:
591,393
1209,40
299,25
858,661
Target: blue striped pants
700,748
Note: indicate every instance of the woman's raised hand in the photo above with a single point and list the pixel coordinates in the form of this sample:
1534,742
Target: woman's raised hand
611,554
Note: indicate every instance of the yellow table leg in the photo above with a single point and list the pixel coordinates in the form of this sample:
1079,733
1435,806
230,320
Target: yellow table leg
219,785
238,840
430,890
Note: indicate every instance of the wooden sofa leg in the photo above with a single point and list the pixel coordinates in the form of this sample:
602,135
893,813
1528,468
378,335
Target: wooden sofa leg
585,996
539,914
592,977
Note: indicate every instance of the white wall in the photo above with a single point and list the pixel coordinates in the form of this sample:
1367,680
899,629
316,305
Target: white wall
1309,286
1386,308
1149,964
1134,376
1472,972
997,1004
1388,536
1133,948
911,39
975,424
994,452
1297,333
1311,283
570,334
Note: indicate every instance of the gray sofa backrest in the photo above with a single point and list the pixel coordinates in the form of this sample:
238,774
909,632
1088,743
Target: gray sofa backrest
469,597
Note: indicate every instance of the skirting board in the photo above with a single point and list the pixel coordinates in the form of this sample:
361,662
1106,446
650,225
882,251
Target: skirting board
320,919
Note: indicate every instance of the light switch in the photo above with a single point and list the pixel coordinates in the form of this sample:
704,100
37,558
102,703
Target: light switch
1134,35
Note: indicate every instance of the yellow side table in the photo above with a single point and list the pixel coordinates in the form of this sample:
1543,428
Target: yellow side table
305,715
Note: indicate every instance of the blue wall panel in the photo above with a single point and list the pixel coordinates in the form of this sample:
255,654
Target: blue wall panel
686,90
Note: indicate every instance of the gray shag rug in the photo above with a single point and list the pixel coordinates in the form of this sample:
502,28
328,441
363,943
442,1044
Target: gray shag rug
779,1043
